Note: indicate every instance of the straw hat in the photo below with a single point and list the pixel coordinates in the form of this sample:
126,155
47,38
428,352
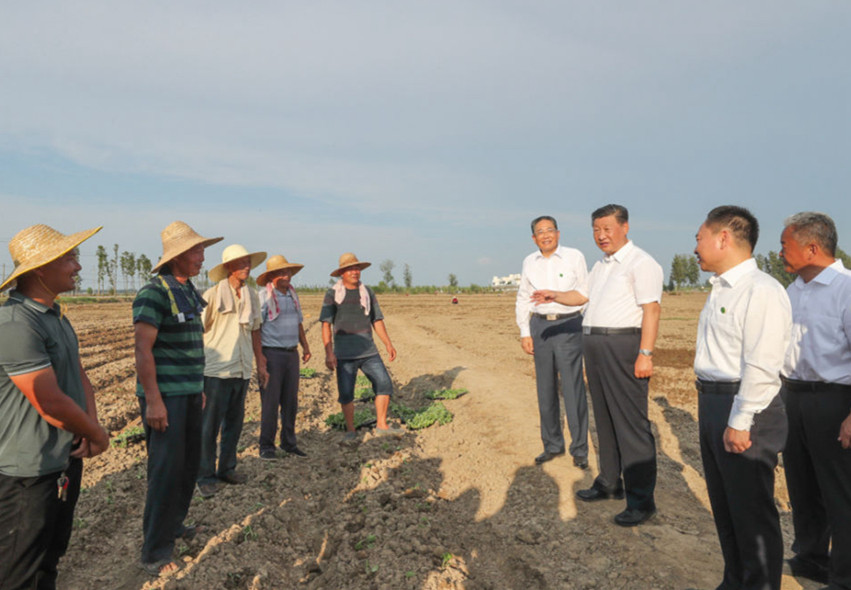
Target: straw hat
277,262
349,260
179,238
233,252
38,245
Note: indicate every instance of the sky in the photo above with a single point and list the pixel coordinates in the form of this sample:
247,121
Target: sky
426,133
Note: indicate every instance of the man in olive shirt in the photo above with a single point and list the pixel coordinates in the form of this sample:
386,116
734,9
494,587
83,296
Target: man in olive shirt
48,419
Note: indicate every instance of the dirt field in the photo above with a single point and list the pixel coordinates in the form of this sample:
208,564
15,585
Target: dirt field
454,506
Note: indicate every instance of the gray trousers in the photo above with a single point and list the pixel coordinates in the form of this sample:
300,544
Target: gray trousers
818,475
279,397
225,410
627,446
558,370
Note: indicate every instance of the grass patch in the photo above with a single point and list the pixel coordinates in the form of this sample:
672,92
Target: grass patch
446,393
417,419
363,417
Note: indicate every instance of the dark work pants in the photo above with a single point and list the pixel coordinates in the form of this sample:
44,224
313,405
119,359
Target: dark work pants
741,492
35,527
225,411
558,370
627,446
818,475
279,396
173,457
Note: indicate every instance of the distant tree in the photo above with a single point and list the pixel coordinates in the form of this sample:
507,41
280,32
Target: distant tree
684,271
387,268
103,267
143,267
845,258
128,268
773,265
112,270
406,276
693,271
453,281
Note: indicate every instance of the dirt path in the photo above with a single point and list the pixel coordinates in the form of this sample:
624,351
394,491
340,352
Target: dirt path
453,506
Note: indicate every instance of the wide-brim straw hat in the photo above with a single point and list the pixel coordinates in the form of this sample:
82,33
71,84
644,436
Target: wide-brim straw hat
178,238
275,263
234,252
349,260
38,245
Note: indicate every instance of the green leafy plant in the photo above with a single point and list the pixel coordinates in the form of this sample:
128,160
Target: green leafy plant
445,559
307,373
417,419
363,417
446,393
367,543
370,568
129,436
248,533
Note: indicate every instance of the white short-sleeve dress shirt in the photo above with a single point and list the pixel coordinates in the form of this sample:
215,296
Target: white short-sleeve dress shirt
820,349
743,335
619,285
563,270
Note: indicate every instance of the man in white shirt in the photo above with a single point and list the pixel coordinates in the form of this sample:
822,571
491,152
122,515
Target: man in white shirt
742,338
552,332
817,393
619,332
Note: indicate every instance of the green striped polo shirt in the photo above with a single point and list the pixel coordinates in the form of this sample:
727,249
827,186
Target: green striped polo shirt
179,347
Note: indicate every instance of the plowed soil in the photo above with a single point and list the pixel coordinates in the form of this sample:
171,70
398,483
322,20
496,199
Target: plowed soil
455,506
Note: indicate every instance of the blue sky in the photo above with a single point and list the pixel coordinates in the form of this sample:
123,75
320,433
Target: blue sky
427,133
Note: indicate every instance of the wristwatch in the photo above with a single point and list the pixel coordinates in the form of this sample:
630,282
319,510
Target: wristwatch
645,352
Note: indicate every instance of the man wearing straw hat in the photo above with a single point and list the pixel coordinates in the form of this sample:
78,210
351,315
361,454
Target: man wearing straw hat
170,367
350,307
231,346
281,333
48,418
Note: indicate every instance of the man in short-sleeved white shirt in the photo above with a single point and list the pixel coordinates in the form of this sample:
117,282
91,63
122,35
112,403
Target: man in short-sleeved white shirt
552,332
619,333
817,393
742,337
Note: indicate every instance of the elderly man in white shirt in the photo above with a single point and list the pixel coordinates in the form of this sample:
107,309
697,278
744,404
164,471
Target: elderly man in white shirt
742,338
817,393
619,332
552,332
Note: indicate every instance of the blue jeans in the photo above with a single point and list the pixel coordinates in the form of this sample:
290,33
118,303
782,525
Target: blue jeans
225,410
371,366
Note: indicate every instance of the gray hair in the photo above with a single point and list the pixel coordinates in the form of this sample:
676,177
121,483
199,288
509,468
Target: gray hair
811,227
541,218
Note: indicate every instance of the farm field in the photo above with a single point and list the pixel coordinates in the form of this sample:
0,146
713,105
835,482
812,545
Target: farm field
460,505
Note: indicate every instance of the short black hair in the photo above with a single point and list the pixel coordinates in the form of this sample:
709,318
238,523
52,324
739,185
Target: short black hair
741,223
619,211
541,218
811,226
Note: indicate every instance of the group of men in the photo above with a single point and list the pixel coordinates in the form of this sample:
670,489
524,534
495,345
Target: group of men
773,371
195,356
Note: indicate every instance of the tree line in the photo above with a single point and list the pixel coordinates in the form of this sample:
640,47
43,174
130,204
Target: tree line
685,271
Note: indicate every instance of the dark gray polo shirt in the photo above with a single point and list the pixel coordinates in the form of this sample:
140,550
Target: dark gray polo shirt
34,337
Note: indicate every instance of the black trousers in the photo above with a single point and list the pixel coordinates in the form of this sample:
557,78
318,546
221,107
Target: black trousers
619,399
35,527
741,492
818,476
558,373
279,397
173,459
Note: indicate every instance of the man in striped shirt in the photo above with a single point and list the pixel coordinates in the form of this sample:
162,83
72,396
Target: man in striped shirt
170,381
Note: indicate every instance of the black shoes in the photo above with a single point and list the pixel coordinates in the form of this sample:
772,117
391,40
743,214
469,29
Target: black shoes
593,494
297,452
633,516
581,462
804,568
547,456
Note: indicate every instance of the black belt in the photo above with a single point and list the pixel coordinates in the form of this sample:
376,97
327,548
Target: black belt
815,386
283,348
726,387
551,317
609,331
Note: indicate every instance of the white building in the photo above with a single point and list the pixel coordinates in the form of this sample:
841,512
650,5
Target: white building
506,281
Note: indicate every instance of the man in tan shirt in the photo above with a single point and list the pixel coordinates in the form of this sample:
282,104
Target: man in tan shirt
232,321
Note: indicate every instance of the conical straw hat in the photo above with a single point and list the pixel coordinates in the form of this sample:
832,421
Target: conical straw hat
178,238
277,262
38,245
349,260
233,252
